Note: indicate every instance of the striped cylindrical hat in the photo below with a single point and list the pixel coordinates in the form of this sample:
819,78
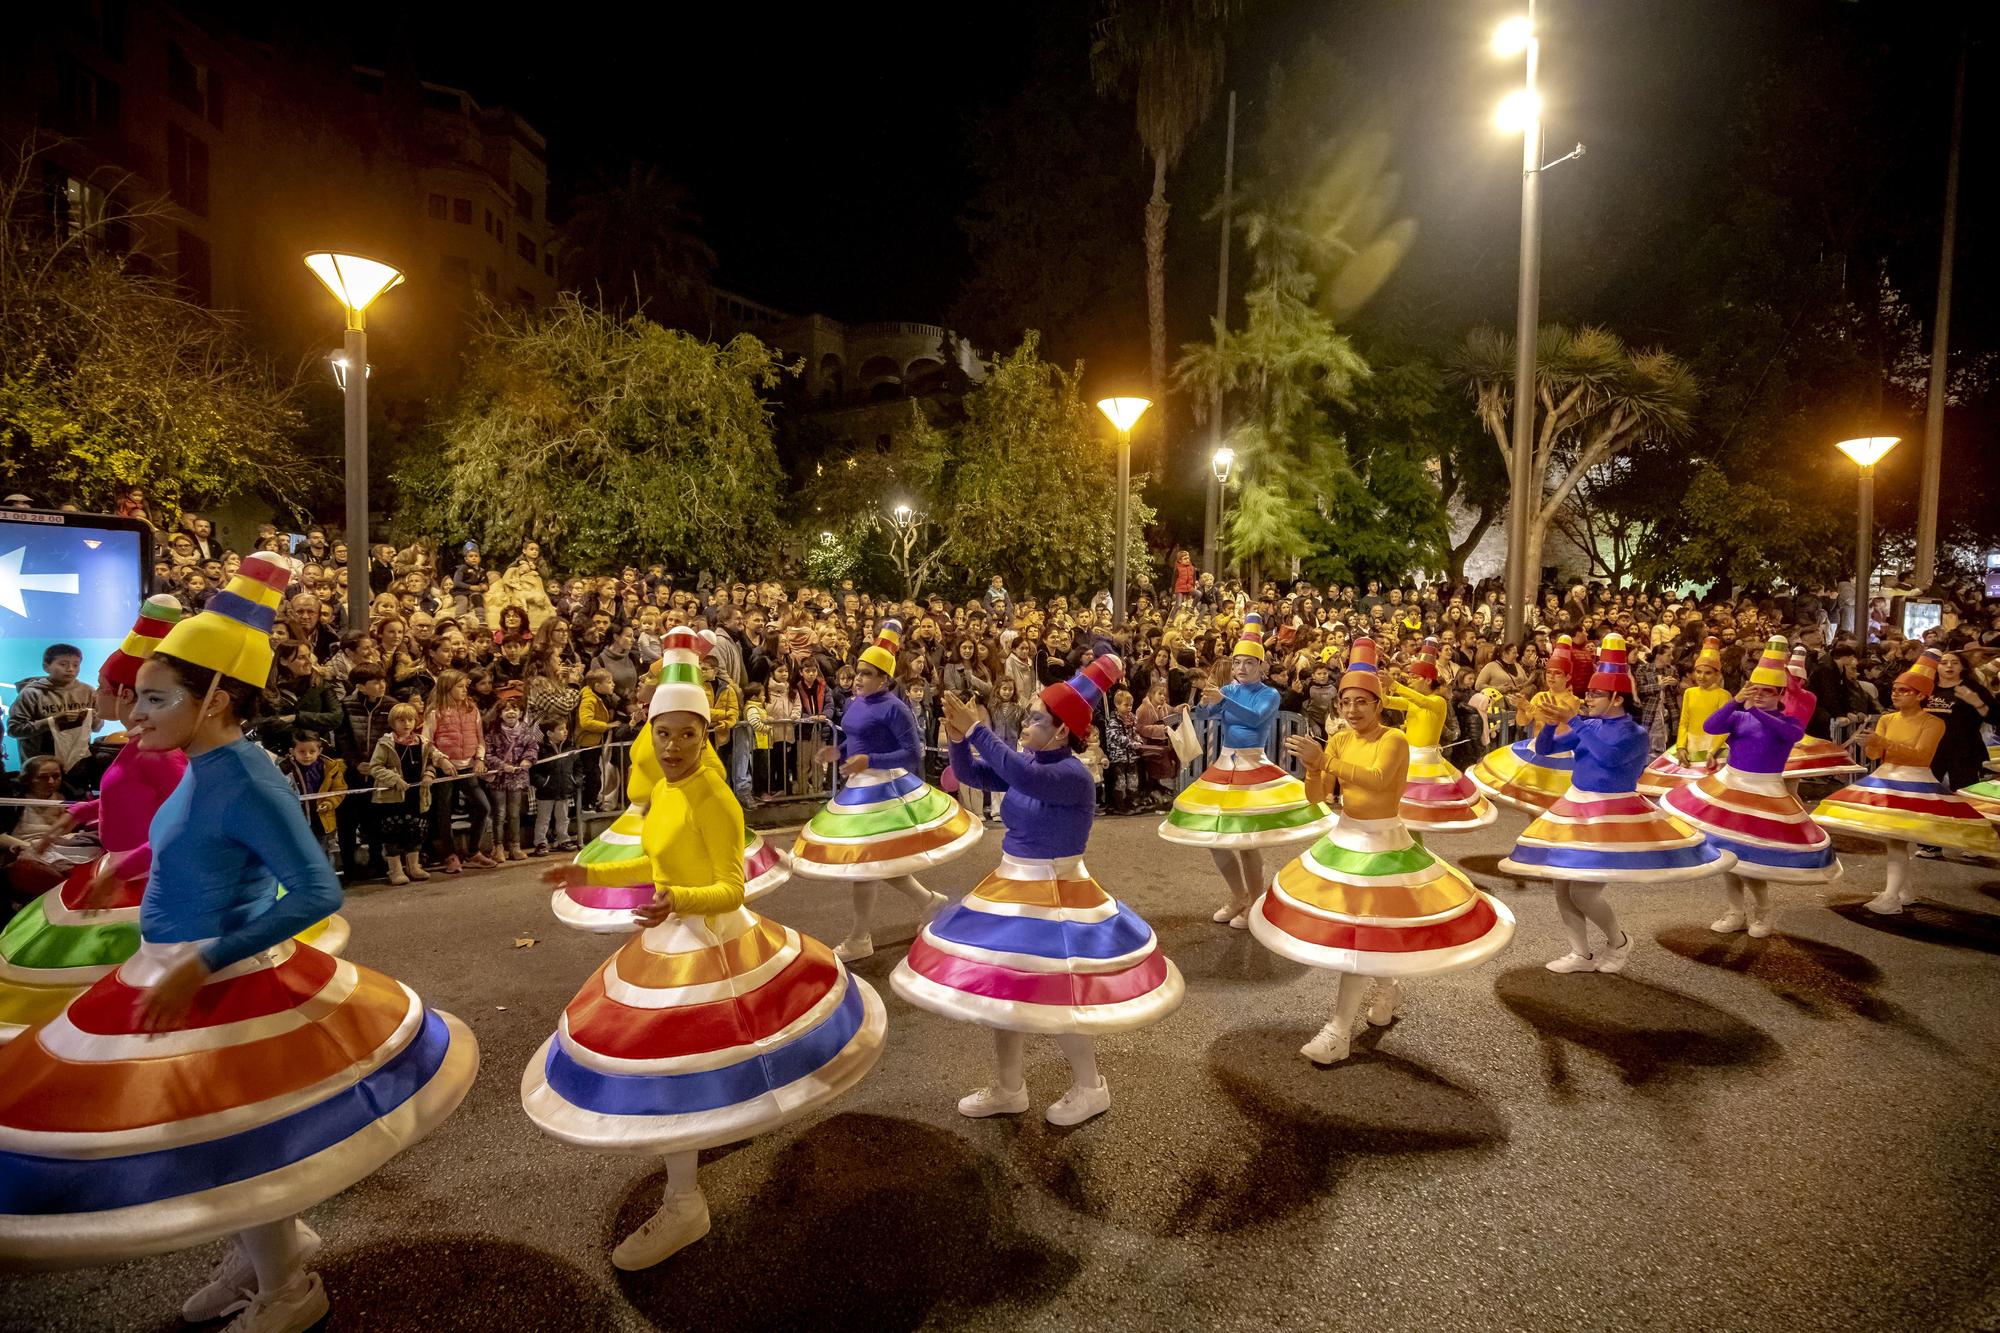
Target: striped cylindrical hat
1710,654
232,634
1612,673
1922,675
882,653
1796,667
1770,669
157,614
1361,673
1250,643
1560,656
1426,665
1074,700
680,689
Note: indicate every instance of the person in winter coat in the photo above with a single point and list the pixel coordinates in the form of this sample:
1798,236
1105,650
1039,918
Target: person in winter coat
401,770
297,697
314,773
513,743
553,779
48,711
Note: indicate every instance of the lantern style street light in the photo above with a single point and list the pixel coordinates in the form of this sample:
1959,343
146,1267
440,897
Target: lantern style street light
1220,464
1866,451
1123,413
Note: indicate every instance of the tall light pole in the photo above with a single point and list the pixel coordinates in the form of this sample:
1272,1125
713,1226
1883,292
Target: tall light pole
1866,451
1220,464
1517,36
1124,414
355,282
1927,492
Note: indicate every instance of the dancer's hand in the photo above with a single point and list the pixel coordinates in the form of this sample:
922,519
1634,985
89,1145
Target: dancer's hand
1873,745
855,766
656,911
1210,695
958,716
827,754
61,827
567,876
1308,749
102,882
167,1000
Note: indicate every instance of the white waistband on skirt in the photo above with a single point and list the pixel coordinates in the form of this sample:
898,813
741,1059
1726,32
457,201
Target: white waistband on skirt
1036,867
154,960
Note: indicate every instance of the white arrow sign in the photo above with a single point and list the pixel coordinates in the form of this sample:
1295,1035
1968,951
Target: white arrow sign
13,582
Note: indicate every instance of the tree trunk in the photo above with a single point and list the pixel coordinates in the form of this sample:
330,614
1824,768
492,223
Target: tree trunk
1455,556
1531,555
1156,306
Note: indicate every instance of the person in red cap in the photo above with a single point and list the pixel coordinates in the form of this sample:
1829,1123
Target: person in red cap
1521,774
1039,946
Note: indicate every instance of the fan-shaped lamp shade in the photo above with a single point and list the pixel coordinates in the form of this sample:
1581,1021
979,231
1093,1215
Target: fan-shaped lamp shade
1124,412
354,281
1869,449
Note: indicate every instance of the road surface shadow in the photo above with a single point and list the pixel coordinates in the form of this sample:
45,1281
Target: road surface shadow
1991,888
1487,864
459,1282
1821,980
1931,923
1655,1037
863,1221
1211,953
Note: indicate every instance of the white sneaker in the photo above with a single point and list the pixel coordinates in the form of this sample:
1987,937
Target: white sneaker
1241,921
233,1284
1613,959
1382,997
1572,962
1760,928
294,1308
1222,915
1728,923
854,950
1330,1047
680,1222
1886,903
993,1101
1079,1104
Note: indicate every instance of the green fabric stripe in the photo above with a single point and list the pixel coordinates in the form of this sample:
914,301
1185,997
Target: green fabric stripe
899,818
1251,823
1347,861
1989,790
680,673
598,852
30,941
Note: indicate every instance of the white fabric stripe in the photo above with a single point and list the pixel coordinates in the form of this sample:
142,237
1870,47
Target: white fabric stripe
1370,835
1329,875
1907,773
64,1040
1400,922
634,996
704,1061
218,1124
696,934
1027,962
1032,868
58,913
875,777
154,961
1085,916
54,978
1363,963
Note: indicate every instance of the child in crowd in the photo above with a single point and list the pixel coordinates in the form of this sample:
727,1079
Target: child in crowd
313,773
512,745
28,873
759,722
1121,751
1094,759
554,781
596,707
1005,721
401,769
781,711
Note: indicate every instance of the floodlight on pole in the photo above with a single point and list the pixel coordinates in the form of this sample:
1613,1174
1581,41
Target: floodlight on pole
1519,112
1866,451
1512,36
1123,413
354,280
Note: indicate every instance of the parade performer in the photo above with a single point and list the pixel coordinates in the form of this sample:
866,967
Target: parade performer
1602,830
1748,810
1902,803
711,1025
885,823
1523,775
1039,946
77,932
1243,802
1439,798
1695,753
1813,756
1368,901
618,874
1985,796
226,1077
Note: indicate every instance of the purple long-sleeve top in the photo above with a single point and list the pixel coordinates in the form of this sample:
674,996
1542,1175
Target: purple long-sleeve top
1760,739
1610,751
1050,798
882,727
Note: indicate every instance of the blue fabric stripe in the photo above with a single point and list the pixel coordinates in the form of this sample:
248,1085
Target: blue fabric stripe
32,1185
906,785
1524,751
238,607
1896,784
1752,855
1594,858
1110,938
710,1089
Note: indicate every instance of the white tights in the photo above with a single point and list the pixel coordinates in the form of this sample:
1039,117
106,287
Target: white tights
1244,873
273,1251
1010,1059
1752,897
680,1173
1896,865
865,895
1581,903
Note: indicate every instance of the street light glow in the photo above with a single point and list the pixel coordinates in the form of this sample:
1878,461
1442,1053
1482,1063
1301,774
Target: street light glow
1512,36
338,360
1124,412
1222,462
1868,450
903,514
354,281
1519,110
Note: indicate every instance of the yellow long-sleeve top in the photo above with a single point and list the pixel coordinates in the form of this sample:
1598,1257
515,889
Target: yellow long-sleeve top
1371,772
1424,714
694,839
1696,706
593,719
1564,704
1909,738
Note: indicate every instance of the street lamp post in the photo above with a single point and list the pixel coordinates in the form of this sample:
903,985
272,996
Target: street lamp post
1517,36
1124,414
1866,451
355,282
1220,464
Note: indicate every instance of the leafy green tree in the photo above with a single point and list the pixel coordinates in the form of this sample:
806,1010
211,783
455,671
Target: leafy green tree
610,440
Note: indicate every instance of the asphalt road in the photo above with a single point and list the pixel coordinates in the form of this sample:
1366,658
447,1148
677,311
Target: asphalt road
1796,1133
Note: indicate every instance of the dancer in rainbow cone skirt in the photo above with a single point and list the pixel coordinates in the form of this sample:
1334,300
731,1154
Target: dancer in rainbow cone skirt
77,932
1602,830
711,1025
1813,756
1902,802
226,1077
885,822
1985,796
618,871
1695,752
1523,775
1243,802
1439,798
1747,808
1368,901
1039,946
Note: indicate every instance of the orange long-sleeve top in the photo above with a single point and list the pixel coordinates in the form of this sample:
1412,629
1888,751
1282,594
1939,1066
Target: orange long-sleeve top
1909,738
1371,773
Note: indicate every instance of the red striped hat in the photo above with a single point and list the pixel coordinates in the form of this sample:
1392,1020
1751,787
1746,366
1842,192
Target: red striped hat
680,689
1426,665
157,614
1612,674
1361,673
1922,675
1073,701
232,635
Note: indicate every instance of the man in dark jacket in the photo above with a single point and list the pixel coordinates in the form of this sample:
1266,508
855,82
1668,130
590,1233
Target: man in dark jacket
365,720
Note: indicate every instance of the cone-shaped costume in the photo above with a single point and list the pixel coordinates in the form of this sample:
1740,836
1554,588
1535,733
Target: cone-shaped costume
292,1074
1813,756
1522,774
885,821
1696,752
1985,798
1243,801
1039,946
1439,798
1746,808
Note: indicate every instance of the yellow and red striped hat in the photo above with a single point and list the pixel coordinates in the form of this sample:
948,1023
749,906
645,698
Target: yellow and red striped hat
882,653
232,635
157,615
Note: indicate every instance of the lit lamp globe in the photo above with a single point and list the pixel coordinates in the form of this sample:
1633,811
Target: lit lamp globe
1512,36
1222,462
1518,113
354,280
1868,450
1124,413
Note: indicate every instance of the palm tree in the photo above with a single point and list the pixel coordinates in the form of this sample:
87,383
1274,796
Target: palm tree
633,244
1167,57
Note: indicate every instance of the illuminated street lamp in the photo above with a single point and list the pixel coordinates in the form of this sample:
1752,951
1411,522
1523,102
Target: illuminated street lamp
1124,413
338,360
1866,451
1220,464
355,282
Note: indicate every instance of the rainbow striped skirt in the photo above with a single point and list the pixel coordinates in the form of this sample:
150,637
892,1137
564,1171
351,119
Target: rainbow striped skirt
703,1031
1985,798
293,1075
1244,801
1515,775
1612,836
1673,768
1755,816
1906,803
621,877
1440,799
882,823
1816,757
1370,899
1039,946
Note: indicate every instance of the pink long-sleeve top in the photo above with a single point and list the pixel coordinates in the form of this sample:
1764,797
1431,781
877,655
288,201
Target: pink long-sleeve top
136,784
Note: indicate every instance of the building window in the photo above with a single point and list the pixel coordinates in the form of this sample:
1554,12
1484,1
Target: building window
524,202
500,233
85,103
435,207
524,248
195,86
461,211
191,268
80,208
187,170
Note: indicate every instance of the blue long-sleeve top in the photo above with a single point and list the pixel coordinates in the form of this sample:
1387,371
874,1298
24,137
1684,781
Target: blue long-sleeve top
1610,751
1246,712
881,726
222,843
1760,739
1050,798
